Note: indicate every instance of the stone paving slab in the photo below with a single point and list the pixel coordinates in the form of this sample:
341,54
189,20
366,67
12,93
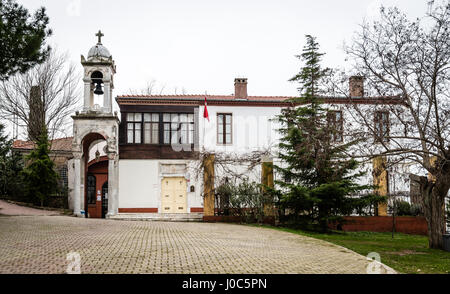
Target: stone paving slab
40,244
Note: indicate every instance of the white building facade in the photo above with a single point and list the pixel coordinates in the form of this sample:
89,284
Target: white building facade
149,162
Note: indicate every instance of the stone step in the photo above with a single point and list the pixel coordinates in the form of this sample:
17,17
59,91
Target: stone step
181,217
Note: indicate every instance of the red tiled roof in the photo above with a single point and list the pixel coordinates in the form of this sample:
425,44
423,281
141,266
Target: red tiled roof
208,97
224,99
61,144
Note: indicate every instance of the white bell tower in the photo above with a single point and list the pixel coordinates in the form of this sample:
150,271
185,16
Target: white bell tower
99,70
95,123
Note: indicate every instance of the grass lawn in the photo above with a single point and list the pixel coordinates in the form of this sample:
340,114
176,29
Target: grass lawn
405,253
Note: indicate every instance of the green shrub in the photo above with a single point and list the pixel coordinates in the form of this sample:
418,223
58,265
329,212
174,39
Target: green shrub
416,210
244,199
400,208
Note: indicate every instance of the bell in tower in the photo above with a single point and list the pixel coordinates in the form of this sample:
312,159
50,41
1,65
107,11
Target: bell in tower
99,70
97,80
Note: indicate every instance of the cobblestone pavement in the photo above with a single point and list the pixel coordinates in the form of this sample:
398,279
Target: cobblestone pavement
40,244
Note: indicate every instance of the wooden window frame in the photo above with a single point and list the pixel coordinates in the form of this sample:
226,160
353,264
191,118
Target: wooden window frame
225,143
378,115
134,122
191,129
179,122
151,122
142,123
331,119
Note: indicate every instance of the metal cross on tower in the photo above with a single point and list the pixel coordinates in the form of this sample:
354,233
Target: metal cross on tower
99,35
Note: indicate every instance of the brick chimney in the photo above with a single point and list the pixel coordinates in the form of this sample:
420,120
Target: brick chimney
36,115
356,85
240,88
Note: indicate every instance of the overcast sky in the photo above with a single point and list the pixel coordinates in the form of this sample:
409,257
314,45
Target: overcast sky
203,45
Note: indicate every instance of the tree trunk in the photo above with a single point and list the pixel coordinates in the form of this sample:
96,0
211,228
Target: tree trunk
433,196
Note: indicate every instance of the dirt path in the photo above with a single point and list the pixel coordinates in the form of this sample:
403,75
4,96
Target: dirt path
7,208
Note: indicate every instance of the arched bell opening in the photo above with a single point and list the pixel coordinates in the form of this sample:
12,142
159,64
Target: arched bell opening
95,174
98,89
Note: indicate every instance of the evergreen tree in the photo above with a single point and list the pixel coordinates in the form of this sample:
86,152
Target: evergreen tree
11,165
40,176
317,175
22,37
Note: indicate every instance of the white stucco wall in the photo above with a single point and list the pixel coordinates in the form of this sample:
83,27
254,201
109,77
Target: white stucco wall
252,128
140,184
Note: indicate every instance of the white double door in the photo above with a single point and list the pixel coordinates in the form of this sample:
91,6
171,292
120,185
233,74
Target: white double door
174,195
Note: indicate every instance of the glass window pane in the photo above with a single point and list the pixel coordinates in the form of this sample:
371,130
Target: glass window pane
166,117
228,129
137,126
137,136
220,139
190,117
191,137
147,133
228,118
166,127
155,137
228,138
130,126
183,135
147,116
166,137
220,119
130,116
183,117
155,117
174,139
155,133
137,116
130,136
174,117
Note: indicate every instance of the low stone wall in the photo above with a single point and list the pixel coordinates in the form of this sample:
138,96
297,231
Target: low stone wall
404,224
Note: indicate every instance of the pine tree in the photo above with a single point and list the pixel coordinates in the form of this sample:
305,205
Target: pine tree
11,165
317,176
40,176
22,37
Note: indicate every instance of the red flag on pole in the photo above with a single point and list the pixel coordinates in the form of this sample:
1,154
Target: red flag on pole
205,111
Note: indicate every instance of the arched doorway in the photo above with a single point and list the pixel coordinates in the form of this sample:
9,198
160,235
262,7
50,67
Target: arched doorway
95,164
97,188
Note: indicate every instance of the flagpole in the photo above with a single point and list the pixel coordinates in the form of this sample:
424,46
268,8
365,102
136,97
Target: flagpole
203,144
